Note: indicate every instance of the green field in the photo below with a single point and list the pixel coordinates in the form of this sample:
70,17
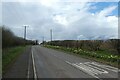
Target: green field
101,56
9,55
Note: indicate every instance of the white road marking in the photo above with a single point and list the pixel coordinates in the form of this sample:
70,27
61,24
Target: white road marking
93,68
83,68
96,68
106,67
34,69
86,69
89,69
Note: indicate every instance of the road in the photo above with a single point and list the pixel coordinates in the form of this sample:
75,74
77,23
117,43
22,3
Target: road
49,63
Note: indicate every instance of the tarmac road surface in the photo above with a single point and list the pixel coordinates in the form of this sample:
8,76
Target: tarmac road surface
49,63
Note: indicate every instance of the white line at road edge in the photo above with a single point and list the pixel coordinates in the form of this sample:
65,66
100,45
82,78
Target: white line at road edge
83,70
34,69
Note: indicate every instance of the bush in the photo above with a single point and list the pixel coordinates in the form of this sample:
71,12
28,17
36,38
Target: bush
10,40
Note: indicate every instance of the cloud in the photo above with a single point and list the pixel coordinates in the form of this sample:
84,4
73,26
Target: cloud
69,20
0,13
107,11
64,0
48,3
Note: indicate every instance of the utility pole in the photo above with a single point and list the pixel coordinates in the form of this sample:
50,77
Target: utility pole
43,40
25,31
25,28
77,44
51,35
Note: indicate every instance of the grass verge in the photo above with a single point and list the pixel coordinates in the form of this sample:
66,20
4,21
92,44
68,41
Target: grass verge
99,56
9,55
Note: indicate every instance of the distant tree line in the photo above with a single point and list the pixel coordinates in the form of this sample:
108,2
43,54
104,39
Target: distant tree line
111,45
11,40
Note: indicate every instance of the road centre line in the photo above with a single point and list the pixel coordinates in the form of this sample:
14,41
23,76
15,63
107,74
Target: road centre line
34,69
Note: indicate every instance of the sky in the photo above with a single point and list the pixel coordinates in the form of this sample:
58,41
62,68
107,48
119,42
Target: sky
69,20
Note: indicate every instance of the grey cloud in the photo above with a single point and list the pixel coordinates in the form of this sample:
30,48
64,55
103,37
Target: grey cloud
40,19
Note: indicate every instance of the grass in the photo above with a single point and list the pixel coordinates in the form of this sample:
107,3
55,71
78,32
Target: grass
9,55
100,56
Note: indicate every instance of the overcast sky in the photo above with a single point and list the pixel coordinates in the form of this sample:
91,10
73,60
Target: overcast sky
68,20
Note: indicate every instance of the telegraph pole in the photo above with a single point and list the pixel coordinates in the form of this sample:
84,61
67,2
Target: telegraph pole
51,35
25,28
78,43
25,31
43,40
